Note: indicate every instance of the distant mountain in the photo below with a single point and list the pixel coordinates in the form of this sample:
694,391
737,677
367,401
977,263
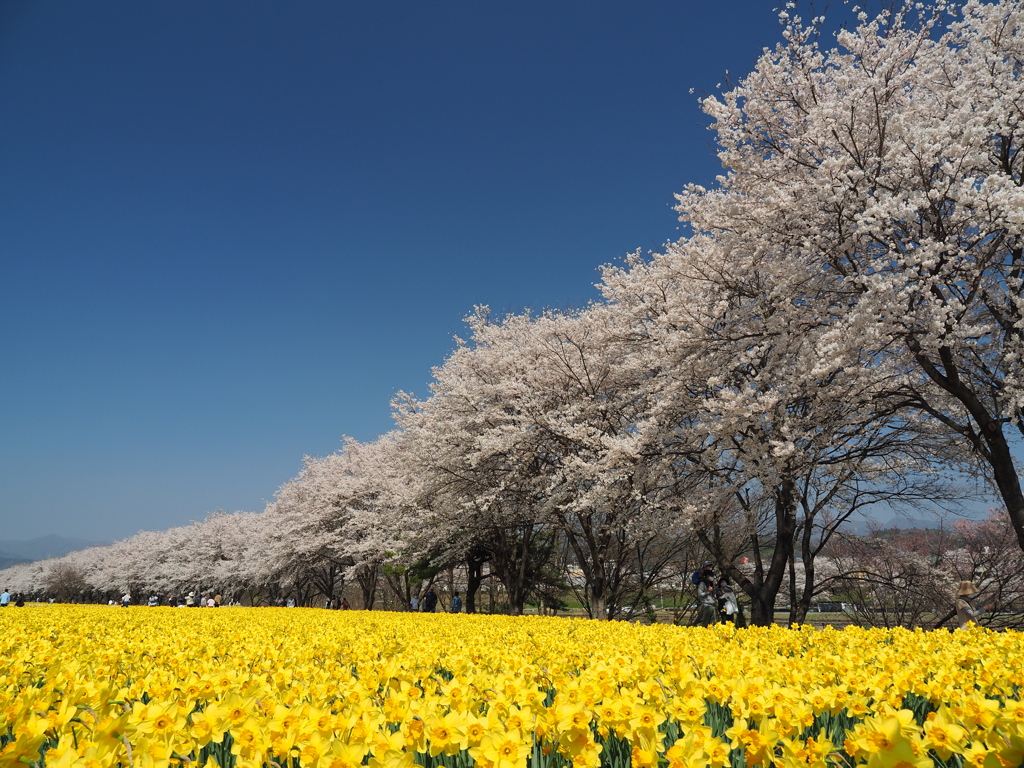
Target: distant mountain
915,523
7,562
863,526
22,550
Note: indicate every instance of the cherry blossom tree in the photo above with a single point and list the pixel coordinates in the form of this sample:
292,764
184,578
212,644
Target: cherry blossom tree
64,582
526,436
886,584
987,554
762,446
887,171
482,506
338,519
307,550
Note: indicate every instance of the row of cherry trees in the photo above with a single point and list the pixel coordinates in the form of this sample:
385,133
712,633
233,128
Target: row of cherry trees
842,327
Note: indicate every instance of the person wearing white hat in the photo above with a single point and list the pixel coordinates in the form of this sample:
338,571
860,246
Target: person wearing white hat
966,612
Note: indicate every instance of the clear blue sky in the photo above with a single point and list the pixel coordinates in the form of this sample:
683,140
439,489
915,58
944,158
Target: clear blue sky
231,231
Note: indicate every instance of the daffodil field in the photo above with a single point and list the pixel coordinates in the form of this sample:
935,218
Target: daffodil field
85,686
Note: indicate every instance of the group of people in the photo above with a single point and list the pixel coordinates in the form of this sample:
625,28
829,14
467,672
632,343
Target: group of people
188,601
716,601
425,604
428,603
6,599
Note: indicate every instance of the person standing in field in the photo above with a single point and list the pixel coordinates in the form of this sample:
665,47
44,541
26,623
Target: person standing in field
725,597
5,599
966,610
456,603
707,607
430,601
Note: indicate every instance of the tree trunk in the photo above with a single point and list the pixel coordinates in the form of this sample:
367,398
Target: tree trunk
510,563
398,580
590,547
763,612
474,578
328,580
807,554
794,608
1005,475
764,588
989,443
368,585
